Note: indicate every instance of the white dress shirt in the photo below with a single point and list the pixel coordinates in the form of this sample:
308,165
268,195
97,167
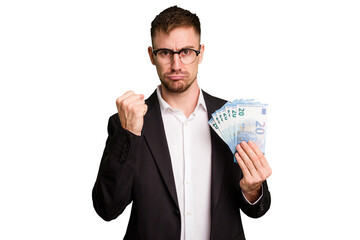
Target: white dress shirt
190,151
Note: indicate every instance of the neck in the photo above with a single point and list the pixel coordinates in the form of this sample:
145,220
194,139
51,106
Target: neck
185,101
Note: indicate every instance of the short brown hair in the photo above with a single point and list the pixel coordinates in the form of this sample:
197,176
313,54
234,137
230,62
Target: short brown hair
174,17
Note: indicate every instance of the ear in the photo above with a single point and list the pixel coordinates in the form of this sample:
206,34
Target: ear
201,55
151,55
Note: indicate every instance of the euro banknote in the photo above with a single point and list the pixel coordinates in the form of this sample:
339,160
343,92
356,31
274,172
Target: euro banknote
241,120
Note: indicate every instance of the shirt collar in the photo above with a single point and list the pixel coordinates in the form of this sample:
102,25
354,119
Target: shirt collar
164,106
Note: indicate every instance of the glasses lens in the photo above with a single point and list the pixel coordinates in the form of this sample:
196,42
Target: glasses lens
187,56
165,56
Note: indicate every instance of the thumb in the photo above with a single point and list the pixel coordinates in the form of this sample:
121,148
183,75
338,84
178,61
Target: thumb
145,109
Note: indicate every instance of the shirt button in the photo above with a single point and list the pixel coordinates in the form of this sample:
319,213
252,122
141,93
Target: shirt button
188,182
188,214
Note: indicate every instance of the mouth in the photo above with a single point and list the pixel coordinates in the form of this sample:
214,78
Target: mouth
176,77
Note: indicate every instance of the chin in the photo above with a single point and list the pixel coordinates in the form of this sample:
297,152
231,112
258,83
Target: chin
176,87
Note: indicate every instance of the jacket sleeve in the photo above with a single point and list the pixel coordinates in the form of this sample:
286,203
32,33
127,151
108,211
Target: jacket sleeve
261,207
112,190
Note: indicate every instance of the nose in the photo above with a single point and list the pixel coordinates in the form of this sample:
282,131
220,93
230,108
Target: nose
176,62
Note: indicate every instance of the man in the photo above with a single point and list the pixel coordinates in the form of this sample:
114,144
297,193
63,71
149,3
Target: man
162,156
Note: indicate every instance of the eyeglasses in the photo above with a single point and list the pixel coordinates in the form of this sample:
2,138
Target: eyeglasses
165,56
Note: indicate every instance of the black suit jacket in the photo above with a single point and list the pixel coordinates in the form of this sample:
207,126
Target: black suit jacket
138,169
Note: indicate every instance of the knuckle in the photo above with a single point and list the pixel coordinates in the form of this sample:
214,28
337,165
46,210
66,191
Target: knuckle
118,101
249,181
128,93
262,175
122,105
126,103
255,159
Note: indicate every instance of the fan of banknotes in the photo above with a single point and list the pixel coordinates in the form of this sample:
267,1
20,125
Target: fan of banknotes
241,120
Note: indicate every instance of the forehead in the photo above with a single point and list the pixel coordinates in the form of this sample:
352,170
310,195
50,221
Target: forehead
177,38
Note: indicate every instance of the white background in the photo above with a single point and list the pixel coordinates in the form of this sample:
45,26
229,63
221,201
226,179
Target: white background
64,63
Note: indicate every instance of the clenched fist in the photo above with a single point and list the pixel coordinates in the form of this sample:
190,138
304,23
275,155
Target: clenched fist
131,109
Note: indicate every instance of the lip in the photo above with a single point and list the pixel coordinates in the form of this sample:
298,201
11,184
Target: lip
176,77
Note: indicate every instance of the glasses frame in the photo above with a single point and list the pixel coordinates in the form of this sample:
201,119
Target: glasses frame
177,52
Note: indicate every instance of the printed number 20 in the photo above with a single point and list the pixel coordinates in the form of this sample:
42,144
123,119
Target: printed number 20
260,128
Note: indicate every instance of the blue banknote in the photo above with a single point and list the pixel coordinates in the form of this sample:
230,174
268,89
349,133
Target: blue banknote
241,120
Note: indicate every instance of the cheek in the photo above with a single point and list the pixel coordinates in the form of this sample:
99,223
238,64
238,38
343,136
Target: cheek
158,69
194,70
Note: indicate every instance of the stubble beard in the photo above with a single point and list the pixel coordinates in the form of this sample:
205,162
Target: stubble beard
176,88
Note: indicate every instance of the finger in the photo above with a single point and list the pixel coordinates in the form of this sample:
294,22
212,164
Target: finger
131,100
130,92
133,97
124,96
134,101
242,165
145,110
135,111
249,164
140,109
256,149
260,154
251,155
127,94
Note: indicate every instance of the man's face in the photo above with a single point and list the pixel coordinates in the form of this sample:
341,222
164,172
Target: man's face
176,76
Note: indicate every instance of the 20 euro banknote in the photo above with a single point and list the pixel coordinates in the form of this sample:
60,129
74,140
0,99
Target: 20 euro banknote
241,120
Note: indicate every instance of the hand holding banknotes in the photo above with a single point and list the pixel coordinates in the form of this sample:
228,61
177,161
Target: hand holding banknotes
131,109
255,169
242,125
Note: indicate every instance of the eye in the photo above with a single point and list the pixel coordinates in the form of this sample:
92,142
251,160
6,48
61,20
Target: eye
164,53
185,52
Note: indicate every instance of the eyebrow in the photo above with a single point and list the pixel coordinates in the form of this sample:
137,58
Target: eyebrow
185,47
188,47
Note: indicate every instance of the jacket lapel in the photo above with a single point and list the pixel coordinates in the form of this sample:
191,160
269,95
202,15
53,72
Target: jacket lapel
217,155
154,135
